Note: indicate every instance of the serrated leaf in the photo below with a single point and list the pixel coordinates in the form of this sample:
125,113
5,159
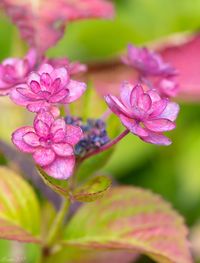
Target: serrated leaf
131,219
19,208
58,186
94,189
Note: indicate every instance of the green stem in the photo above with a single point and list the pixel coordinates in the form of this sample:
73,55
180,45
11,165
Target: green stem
58,222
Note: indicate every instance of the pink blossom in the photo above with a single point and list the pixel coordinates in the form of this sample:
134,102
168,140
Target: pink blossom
167,87
14,71
51,142
47,87
147,62
144,113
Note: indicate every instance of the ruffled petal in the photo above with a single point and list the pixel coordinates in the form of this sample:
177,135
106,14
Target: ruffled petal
62,168
59,136
76,90
44,156
116,106
63,149
144,102
17,139
17,97
41,128
59,96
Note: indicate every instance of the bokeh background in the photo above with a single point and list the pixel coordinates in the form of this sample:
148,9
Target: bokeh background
173,172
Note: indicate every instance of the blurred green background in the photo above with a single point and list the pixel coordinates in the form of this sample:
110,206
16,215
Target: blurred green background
173,172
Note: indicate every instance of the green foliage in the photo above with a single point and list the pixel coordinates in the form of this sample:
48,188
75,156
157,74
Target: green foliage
133,219
92,190
19,209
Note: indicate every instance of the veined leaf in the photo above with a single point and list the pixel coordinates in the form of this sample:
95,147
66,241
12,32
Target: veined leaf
19,208
94,189
131,219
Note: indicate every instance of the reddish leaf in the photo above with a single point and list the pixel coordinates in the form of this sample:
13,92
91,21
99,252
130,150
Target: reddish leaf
131,219
42,23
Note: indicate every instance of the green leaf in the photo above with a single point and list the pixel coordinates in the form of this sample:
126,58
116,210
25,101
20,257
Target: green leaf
131,219
58,186
19,208
94,189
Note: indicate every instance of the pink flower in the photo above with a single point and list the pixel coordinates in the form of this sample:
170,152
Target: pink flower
14,71
51,142
167,87
145,114
147,62
49,86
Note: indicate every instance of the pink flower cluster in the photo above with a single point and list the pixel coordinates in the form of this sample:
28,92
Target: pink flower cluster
51,142
144,113
42,89
153,71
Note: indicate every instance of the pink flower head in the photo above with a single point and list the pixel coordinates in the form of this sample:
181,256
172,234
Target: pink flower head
48,87
144,113
14,71
147,62
167,87
51,142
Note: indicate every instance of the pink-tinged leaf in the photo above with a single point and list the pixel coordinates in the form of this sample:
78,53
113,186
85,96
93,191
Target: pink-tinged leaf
19,208
186,58
131,219
42,23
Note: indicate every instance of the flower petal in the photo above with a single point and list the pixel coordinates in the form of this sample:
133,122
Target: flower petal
171,111
31,139
63,149
76,89
58,124
62,74
33,76
156,138
62,168
59,96
116,106
144,102
74,134
159,125
35,86
125,93
41,128
135,94
133,126
17,97
46,117
45,68
17,139
44,156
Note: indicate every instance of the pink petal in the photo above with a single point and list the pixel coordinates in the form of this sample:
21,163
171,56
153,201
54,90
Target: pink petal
156,138
116,106
59,96
59,136
33,77
159,125
63,149
31,139
76,90
135,94
62,74
17,139
44,156
125,93
35,86
59,124
17,97
27,93
41,128
45,117
133,126
31,57
74,134
37,106
62,168
158,107
45,80
154,95
144,102
45,68
171,111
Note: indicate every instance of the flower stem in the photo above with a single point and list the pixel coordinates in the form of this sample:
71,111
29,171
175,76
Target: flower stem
58,222
106,146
